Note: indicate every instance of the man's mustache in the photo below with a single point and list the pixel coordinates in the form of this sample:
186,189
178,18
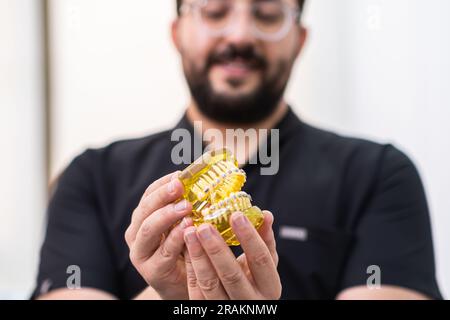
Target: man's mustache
247,54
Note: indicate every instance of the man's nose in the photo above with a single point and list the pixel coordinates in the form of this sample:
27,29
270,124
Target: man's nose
241,32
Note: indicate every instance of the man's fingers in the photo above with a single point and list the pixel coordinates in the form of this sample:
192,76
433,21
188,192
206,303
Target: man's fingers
233,279
158,183
158,198
267,234
167,254
148,237
165,194
195,293
259,258
207,278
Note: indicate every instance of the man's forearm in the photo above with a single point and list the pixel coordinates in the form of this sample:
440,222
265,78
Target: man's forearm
78,294
384,293
93,294
148,294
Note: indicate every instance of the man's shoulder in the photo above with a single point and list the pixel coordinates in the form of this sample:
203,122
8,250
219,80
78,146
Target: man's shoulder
324,141
130,147
125,152
355,153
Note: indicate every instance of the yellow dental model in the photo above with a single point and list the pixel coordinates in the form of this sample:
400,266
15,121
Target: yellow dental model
213,185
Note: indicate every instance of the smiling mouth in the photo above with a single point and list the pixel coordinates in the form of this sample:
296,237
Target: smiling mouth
237,68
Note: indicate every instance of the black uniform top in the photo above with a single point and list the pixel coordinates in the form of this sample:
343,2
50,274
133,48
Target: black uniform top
341,205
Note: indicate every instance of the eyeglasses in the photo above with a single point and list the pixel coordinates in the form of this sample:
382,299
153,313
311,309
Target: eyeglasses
271,20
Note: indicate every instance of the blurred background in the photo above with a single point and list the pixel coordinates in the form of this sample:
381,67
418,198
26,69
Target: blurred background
82,73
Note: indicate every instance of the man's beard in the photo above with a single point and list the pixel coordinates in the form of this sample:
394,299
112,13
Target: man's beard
242,109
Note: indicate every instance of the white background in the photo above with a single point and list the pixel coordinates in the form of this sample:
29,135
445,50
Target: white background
22,175
379,69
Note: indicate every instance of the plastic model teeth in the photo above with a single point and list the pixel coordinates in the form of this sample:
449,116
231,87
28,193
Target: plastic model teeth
213,186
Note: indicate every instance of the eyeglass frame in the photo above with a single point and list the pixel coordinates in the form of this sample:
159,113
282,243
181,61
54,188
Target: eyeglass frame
293,16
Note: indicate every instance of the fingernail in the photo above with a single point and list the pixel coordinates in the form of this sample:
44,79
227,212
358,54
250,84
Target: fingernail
190,237
180,206
185,223
205,232
171,186
240,220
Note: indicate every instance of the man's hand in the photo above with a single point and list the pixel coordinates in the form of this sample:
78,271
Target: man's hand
213,272
156,249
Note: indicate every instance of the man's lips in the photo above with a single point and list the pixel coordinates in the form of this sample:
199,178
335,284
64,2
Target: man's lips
236,68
